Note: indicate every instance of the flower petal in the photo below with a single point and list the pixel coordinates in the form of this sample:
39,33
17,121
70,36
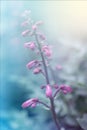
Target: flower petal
48,91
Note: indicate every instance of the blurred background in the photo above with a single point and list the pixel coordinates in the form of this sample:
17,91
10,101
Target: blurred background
65,26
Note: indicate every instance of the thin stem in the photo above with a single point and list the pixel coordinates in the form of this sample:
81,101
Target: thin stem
44,64
56,92
54,114
48,82
44,104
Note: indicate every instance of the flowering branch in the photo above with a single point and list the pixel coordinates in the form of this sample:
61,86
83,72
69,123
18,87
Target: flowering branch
48,92
43,60
45,53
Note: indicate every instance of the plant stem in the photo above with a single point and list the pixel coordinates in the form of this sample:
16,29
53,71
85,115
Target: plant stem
56,92
54,114
44,104
44,64
48,82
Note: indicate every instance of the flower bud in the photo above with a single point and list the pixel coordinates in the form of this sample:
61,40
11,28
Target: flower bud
25,33
30,103
66,89
48,91
32,64
25,23
47,51
37,70
34,27
39,22
30,45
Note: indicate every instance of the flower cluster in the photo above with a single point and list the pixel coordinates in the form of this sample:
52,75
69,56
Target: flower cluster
47,50
66,89
36,65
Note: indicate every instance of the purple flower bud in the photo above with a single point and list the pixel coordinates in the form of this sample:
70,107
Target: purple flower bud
34,27
25,33
66,89
32,64
39,22
30,103
37,70
25,23
48,91
47,51
30,45
45,47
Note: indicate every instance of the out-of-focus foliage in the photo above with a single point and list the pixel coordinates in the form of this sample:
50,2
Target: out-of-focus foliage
83,121
16,120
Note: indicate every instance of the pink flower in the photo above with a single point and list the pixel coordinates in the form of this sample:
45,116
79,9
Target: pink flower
39,22
30,45
25,23
45,47
59,67
48,91
25,33
37,70
66,89
34,27
32,64
30,103
47,51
